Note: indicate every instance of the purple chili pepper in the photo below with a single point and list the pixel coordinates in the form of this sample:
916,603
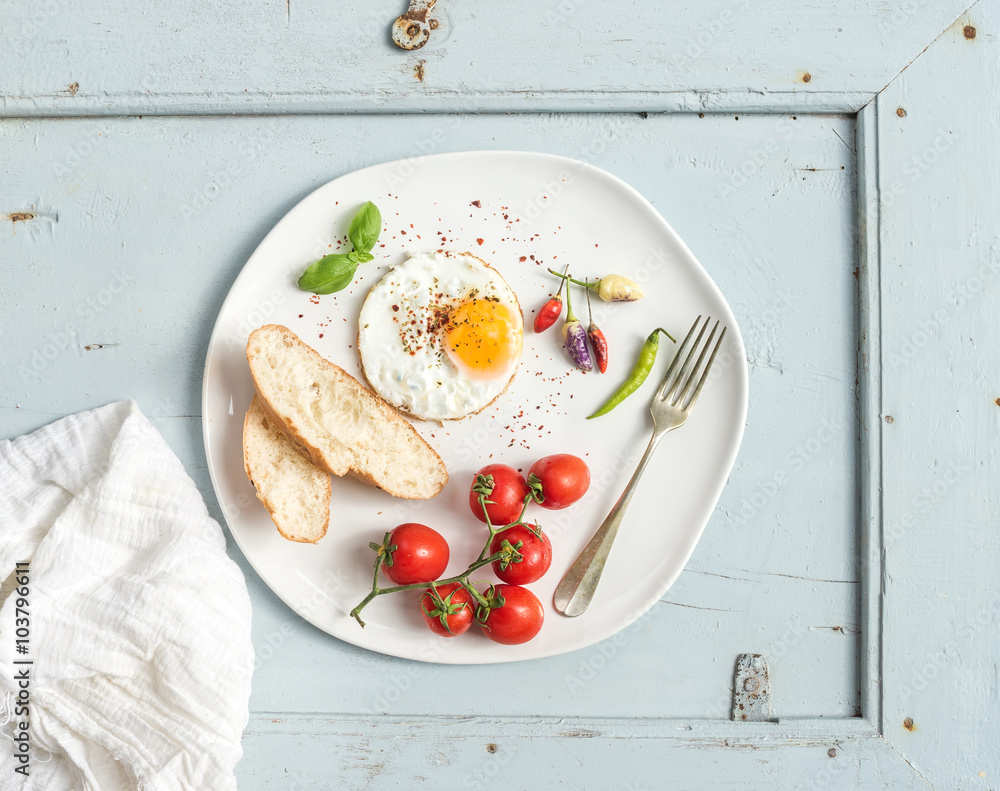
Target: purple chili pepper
575,337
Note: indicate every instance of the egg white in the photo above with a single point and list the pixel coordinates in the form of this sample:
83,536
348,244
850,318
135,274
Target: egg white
401,333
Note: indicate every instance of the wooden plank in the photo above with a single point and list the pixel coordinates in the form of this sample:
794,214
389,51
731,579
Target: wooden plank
180,56
174,206
320,753
940,286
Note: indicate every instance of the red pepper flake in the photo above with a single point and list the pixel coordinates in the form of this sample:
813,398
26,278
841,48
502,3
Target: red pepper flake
480,241
314,299
477,204
321,335
300,315
403,232
395,308
523,258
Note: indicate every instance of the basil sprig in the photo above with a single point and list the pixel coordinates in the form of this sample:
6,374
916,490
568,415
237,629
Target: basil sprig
335,272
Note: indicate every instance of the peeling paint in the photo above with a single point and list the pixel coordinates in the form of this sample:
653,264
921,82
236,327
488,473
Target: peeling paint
30,216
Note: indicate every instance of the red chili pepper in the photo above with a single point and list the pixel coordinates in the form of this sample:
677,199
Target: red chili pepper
597,340
600,345
550,311
548,315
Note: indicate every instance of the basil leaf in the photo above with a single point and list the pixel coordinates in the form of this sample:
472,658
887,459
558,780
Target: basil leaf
365,228
331,273
359,257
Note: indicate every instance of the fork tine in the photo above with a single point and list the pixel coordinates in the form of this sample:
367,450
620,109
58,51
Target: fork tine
679,380
662,389
692,377
704,376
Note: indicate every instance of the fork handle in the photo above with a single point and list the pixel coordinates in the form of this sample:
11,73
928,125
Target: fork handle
575,591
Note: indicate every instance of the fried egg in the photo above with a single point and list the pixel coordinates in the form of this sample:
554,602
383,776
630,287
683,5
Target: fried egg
440,335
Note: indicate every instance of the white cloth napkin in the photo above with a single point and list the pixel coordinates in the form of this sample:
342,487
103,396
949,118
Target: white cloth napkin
139,624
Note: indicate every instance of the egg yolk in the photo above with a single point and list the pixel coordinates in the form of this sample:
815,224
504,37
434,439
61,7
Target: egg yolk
481,339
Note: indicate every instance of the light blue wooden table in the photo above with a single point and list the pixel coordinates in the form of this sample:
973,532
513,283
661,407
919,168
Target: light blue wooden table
833,165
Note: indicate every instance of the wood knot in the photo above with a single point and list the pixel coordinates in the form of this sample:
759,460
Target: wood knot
901,112
908,724
807,77
969,32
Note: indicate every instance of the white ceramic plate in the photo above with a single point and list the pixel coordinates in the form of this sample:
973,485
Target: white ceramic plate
536,210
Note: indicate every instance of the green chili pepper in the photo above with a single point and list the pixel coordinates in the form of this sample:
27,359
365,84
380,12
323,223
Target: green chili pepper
643,365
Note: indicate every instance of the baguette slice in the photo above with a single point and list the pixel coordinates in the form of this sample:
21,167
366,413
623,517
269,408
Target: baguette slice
295,492
343,425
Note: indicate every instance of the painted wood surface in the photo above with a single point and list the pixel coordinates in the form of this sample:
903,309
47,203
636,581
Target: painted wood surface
139,225
633,755
783,196
940,259
306,56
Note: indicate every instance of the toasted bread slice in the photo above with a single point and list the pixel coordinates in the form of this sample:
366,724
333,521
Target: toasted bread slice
343,425
295,492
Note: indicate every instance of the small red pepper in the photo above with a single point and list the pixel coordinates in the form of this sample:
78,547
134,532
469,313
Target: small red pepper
597,340
550,311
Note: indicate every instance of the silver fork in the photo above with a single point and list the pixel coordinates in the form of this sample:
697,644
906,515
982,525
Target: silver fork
670,409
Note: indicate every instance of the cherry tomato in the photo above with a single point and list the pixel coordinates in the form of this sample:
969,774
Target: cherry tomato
565,479
535,550
447,609
509,491
517,620
421,554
